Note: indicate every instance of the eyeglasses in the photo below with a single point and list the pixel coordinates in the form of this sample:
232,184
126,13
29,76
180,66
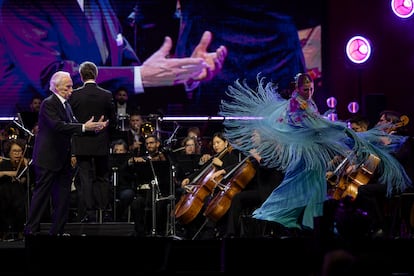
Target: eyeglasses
16,151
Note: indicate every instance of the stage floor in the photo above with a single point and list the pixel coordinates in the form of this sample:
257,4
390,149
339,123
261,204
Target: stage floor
110,247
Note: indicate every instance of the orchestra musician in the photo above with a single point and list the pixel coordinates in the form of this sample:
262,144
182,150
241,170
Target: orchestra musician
371,193
373,196
252,196
135,136
141,201
213,169
187,162
13,189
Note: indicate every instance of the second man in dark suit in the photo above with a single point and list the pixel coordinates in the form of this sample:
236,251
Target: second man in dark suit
92,149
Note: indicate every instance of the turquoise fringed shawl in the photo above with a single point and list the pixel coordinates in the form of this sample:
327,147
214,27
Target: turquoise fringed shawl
300,142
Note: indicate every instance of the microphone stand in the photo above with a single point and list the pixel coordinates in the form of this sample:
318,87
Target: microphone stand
26,169
171,207
154,198
170,139
23,128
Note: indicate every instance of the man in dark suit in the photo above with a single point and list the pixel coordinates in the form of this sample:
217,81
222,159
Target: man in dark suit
92,149
46,36
51,155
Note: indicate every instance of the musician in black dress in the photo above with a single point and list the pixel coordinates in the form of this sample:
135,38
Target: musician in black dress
187,162
209,175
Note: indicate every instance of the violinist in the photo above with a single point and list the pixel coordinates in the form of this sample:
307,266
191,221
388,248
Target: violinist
222,162
187,162
142,199
12,190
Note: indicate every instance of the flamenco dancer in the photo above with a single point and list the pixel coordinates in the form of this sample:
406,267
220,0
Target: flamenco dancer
291,135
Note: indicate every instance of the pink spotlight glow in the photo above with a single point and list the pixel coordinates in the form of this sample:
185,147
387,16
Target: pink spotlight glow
403,8
358,49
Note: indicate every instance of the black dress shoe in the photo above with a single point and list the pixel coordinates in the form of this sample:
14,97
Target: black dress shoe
378,234
63,234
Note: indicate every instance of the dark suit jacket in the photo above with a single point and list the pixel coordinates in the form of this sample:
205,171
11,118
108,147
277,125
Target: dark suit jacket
40,37
87,101
52,145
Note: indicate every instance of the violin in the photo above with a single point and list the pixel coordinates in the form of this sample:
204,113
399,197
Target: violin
190,204
235,181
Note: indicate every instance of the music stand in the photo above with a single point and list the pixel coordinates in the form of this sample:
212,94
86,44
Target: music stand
31,135
157,173
116,161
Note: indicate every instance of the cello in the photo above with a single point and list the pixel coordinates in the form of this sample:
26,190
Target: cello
191,203
236,180
347,185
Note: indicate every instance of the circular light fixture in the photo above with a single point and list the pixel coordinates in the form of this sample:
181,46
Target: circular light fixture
331,102
403,8
358,49
333,117
353,107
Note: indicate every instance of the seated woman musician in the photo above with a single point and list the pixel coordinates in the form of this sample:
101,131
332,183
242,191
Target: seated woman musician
13,189
201,185
187,162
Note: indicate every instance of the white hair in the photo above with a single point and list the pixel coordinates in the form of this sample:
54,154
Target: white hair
56,79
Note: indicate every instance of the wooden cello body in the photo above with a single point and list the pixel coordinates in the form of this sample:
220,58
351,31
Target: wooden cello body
347,185
236,181
190,204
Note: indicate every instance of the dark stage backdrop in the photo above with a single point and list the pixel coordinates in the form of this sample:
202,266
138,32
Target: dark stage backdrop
385,80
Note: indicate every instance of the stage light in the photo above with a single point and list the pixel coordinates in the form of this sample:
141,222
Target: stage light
333,117
403,8
353,107
331,102
358,49
331,114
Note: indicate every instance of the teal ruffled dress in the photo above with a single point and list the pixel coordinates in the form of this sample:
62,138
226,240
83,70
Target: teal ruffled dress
295,138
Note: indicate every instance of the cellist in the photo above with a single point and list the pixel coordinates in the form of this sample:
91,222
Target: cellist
255,193
223,160
371,197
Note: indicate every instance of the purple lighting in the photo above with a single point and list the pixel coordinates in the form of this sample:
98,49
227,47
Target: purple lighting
358,49
403,8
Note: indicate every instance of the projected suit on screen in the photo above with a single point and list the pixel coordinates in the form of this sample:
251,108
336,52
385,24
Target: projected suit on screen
261,37
40,37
